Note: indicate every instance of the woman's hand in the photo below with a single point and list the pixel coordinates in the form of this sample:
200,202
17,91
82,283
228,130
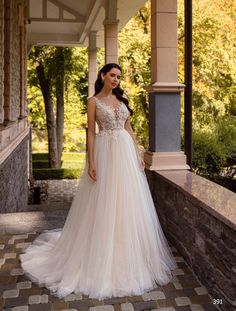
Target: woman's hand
92,172
141,163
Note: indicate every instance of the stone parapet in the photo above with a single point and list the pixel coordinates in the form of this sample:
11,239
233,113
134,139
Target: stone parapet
11,131
198,216
14,180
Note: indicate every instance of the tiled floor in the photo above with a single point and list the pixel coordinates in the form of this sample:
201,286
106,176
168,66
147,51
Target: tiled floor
18,293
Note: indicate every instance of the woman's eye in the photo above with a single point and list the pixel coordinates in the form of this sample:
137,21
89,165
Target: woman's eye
113,75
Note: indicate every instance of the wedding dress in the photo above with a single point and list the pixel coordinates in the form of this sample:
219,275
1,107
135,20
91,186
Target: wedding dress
112,243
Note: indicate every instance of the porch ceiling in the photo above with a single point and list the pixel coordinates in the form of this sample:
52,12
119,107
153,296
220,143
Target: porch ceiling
69,22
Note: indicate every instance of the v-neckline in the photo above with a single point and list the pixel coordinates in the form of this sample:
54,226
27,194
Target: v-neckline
109,106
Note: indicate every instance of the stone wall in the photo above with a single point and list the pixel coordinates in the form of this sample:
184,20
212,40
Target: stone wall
198,217
13,180
13,106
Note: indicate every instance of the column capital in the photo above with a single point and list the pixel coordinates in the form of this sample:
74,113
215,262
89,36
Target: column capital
92,41
165,87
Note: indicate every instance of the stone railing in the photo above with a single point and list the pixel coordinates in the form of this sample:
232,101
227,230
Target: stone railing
14,167
199,218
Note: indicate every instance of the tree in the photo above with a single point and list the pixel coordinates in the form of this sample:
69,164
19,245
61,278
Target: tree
50,117
214,80
52,66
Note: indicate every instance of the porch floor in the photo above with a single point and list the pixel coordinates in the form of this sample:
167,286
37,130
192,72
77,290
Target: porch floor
18,293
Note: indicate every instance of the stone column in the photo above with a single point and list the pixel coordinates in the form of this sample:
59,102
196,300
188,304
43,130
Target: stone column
1,61
8,113
111,41
111,32
164,92
92,62
21,24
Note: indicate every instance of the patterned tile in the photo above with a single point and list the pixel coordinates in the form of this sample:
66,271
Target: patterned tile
201,290
156,295
18,293
182,301
127,306
102,308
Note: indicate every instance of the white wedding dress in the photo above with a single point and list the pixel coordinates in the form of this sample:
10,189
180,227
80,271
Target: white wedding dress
112,243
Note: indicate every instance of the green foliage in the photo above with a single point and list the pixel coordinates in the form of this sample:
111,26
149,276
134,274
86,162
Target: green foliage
80,81
208,157
40,164
54,173
134,49
39,156
214,80
76,75
37,116
72,166
226,132
73,157
68,160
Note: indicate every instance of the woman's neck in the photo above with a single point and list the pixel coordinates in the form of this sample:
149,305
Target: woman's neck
106,92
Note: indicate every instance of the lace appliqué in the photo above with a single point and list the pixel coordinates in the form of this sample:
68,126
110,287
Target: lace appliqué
110,120
114,132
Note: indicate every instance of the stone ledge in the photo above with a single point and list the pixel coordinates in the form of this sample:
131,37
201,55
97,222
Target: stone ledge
198,217
217,200
11,137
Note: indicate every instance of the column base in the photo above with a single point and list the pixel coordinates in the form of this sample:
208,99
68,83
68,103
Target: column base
160,161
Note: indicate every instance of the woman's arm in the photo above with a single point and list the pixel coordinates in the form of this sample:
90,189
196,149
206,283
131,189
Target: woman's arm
91,106
129,129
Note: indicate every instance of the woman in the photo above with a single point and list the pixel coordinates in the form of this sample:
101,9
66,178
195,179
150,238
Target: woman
112,243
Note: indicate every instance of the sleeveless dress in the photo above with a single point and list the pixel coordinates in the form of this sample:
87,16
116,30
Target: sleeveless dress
112,243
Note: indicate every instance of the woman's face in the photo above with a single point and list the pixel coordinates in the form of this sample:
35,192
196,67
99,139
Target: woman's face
112,78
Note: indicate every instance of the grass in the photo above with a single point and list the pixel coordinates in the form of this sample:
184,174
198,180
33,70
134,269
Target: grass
72,166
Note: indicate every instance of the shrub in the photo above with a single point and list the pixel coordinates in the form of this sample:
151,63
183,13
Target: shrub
40,156
40,164
208,154
72,166
57,173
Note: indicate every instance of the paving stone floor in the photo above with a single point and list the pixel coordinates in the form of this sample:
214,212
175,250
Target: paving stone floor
60,195
18,293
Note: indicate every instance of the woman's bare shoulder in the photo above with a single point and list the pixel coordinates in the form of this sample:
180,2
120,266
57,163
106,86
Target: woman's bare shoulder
91,100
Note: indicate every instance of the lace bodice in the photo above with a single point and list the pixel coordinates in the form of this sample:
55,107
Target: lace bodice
108,118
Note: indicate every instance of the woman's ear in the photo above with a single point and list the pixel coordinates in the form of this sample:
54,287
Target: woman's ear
102,76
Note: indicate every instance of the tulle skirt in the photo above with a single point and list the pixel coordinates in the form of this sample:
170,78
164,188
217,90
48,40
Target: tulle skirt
112,243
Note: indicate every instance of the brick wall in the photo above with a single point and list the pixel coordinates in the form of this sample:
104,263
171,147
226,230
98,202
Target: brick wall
13,180
206,241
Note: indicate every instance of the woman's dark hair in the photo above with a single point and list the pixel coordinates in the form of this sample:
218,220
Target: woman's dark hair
118,92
